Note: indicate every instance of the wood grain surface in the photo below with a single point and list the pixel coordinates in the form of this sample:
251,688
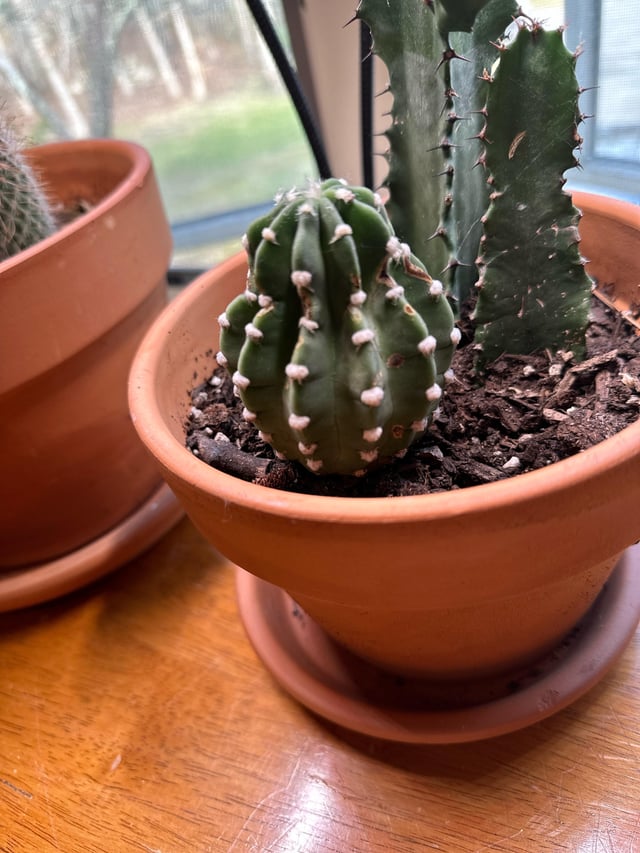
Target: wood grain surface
135,716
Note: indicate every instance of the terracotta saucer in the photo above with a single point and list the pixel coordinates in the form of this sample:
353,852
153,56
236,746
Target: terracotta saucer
139,531
342,688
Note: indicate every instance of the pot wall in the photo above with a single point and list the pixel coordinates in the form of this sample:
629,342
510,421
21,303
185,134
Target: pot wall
73,310
610,235
474,581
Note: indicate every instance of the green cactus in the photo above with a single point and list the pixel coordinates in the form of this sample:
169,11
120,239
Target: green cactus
495,158
533,289
341,343
25,216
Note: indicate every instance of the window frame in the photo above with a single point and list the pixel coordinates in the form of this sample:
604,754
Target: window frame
608,176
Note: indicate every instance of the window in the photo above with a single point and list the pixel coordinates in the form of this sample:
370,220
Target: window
608,69
193,81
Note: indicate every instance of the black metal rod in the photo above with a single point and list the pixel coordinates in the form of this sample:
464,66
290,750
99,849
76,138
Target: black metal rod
290,79
366,104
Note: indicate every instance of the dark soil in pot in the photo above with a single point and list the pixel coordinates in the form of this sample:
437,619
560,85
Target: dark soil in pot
529,412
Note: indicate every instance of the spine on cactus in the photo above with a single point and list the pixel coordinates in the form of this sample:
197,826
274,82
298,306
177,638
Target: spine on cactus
533,289
341,343
25,215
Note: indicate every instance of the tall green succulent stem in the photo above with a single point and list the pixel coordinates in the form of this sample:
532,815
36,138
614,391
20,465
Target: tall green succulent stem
407,39
435,53
533,289
489,130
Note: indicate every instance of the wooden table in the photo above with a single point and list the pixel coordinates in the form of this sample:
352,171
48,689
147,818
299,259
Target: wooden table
135,716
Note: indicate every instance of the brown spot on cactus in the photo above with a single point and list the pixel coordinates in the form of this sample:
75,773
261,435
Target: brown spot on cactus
395,360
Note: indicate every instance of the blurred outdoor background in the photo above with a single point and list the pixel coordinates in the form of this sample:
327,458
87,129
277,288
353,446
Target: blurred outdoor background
193,81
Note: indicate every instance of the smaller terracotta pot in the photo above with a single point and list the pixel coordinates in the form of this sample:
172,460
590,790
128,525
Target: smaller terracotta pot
474,582
73,309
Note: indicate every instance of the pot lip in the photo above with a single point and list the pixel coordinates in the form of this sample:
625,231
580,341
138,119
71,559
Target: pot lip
619,210
140,165
565,475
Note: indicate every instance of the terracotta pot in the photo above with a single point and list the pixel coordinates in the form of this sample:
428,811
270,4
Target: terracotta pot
470,583
73,309
609,232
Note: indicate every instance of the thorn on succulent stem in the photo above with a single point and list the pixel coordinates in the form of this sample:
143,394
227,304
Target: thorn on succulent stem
445,145
449,171
481,135
440,231
448,54
453,264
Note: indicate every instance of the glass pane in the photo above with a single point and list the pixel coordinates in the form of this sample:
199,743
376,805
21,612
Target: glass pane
190,79
550,12
617,126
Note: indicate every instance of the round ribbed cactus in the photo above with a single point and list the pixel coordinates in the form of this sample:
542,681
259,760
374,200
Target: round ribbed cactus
25,216
341,343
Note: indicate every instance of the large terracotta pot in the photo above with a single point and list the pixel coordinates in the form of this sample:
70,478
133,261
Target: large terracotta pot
73,309
446,586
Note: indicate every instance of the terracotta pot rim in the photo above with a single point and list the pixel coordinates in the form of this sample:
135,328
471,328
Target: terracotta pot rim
140,166
179,463
619,210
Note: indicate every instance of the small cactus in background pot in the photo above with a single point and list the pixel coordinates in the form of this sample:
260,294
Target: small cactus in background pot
341,343
25,216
